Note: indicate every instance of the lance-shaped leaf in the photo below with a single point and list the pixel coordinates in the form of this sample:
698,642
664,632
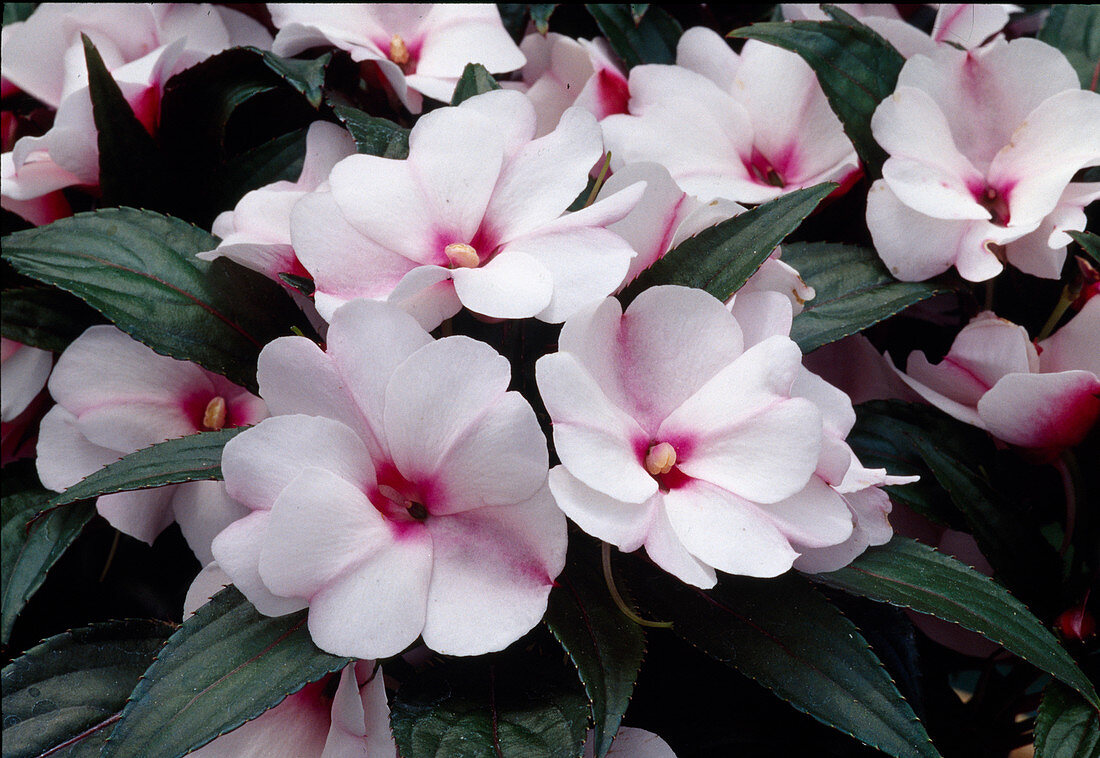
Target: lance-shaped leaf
44,317
475,80
31,549
1089,242
373,135
604,645
854,291
909,574
638,36
193,458
783,634
504,704
306,76
226,665
18,12
1067,726
139,269
63,696
280,159
1073,29
721,258
540,16
856,67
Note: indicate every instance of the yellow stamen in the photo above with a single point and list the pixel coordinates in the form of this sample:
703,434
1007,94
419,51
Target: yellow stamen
399,53
213,418
461,255
660,459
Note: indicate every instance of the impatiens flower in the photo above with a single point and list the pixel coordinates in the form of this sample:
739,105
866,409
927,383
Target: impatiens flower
474,217
675,437
399,491
343,715
256,233
994,377
114,396
631,743
24,371
746,127
142,45
983,144
421,49
562,72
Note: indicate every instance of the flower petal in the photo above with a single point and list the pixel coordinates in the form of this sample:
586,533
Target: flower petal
625,525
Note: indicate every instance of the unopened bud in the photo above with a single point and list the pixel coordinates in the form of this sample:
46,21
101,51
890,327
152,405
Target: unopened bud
1077,624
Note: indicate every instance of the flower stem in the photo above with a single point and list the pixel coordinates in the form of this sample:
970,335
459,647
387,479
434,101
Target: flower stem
1056,314
619,601
600,179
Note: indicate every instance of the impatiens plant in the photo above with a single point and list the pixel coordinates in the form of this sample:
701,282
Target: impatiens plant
395,381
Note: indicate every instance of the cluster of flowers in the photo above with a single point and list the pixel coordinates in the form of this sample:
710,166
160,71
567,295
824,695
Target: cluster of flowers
390,481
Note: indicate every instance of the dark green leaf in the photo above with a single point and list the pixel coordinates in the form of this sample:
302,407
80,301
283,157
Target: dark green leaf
375,136
722,258
908,574
1066,727
475,80
1089,242
514,17
854,291
505,704
18,12
303,284
540,15
281,159
29,553
650,39
45,317
787,637
66,692
856,67
308,77
1075,30
139,269
605,646
637,11
226,665
132,170
193,458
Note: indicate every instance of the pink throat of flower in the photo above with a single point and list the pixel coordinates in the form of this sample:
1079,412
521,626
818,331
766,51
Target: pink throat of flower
994,200
763,171
402,502
660,461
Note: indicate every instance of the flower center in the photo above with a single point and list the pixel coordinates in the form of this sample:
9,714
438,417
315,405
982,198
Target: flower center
399,51
996,202
660,459
763,171
213,418
462,255
417,510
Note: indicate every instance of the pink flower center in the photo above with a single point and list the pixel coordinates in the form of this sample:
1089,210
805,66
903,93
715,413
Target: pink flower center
762,170
213,417
398,499
399,52
660,458
995,201
462,255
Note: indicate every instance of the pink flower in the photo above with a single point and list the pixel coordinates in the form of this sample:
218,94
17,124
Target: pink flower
399,491
256,233
474,217
746,127
421,49
343,715
982,144
699,449
24,370
142,45
632,743
994,378
115,396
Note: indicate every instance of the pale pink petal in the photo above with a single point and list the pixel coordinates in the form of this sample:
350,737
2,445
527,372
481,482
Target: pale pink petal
511,285
761,314
637,743
294,728
703,51
209,582
143,514
492,573
869,507
25,371
816,516
664,547
1076,345
65,456
648,228
1043,252
203,510
855,366
237,551
1042,410
726,532
326,145
128,425
625,525
35,175
968,24
427,293
512,118
360,716
905,38
466,33
557,70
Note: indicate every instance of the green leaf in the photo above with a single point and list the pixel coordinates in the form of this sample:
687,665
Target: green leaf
44,317
605,646
18,12
540,15
475,80
906,573
721,258
788,638
226,665
139,269
1075,30
856,67
65,693
281,159
132,170
308,77
504,704
196,457
30,551
854,291
649,39
1066,727
637,11
1089,242
374,136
